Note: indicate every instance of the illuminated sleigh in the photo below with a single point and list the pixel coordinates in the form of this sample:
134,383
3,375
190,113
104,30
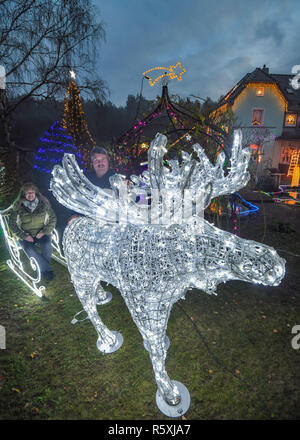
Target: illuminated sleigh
27,268
154,263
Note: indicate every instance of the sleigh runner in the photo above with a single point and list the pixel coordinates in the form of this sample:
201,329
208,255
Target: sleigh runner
26,268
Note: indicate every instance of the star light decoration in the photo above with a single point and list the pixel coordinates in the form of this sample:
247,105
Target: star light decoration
169,72
72,74
155,253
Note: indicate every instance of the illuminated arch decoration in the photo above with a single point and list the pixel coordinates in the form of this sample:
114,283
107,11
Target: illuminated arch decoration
169,72
132,143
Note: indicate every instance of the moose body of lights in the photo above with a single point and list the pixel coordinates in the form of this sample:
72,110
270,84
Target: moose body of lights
153,255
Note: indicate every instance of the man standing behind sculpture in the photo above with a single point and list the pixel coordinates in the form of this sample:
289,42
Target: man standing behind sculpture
33,221
101,172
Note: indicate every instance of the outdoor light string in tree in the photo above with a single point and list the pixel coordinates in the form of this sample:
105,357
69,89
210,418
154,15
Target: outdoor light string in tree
155,253
53,145
75,123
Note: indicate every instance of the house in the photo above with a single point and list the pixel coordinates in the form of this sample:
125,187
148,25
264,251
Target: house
267,109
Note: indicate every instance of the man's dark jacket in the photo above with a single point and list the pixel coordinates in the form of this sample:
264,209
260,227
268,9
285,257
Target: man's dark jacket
102,182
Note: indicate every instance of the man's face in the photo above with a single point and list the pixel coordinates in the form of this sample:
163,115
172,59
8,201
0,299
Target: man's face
30,195
100,164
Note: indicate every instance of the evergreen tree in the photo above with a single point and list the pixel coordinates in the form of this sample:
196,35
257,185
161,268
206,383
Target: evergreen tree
52,147
75,123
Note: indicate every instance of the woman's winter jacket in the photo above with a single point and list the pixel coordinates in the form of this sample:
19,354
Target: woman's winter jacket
23,222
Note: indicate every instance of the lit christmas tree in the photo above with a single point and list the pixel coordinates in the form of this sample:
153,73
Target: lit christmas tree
52,147
75,123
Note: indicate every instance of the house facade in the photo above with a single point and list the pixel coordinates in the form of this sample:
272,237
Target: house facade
267,109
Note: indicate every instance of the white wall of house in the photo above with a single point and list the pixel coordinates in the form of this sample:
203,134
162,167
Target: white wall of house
274,111
276,154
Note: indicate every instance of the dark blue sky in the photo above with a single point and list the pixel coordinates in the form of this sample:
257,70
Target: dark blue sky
216,41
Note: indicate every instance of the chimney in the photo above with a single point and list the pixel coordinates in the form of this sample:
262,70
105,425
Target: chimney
265,69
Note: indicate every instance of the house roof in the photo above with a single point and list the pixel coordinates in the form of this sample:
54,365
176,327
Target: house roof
259,75
291,95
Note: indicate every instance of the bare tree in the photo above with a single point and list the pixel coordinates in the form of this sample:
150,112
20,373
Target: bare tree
40,41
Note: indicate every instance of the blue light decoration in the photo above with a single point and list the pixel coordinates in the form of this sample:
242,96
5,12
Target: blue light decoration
53,145
239,204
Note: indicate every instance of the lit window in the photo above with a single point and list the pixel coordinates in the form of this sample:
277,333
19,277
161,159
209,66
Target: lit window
257,116
260,91
256,152
290,120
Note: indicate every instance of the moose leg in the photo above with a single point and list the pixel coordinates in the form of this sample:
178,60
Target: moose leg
103,297
172,397
151,318
167,343
108,341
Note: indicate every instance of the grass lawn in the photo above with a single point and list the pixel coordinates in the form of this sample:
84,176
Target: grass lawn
232,351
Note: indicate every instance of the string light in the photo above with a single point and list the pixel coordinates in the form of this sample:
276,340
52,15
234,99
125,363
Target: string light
168,72
187,136
241,96
54,144
269,87
154,263
288,194
75,123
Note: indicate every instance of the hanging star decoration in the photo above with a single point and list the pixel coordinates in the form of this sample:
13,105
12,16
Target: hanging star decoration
169,72
73,74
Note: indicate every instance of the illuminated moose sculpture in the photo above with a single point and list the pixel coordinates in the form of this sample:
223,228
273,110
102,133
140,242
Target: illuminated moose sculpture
154,254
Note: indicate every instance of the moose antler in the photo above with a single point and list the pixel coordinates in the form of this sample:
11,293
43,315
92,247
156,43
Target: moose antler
237,177
199,179
204,180
73,190
159,176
